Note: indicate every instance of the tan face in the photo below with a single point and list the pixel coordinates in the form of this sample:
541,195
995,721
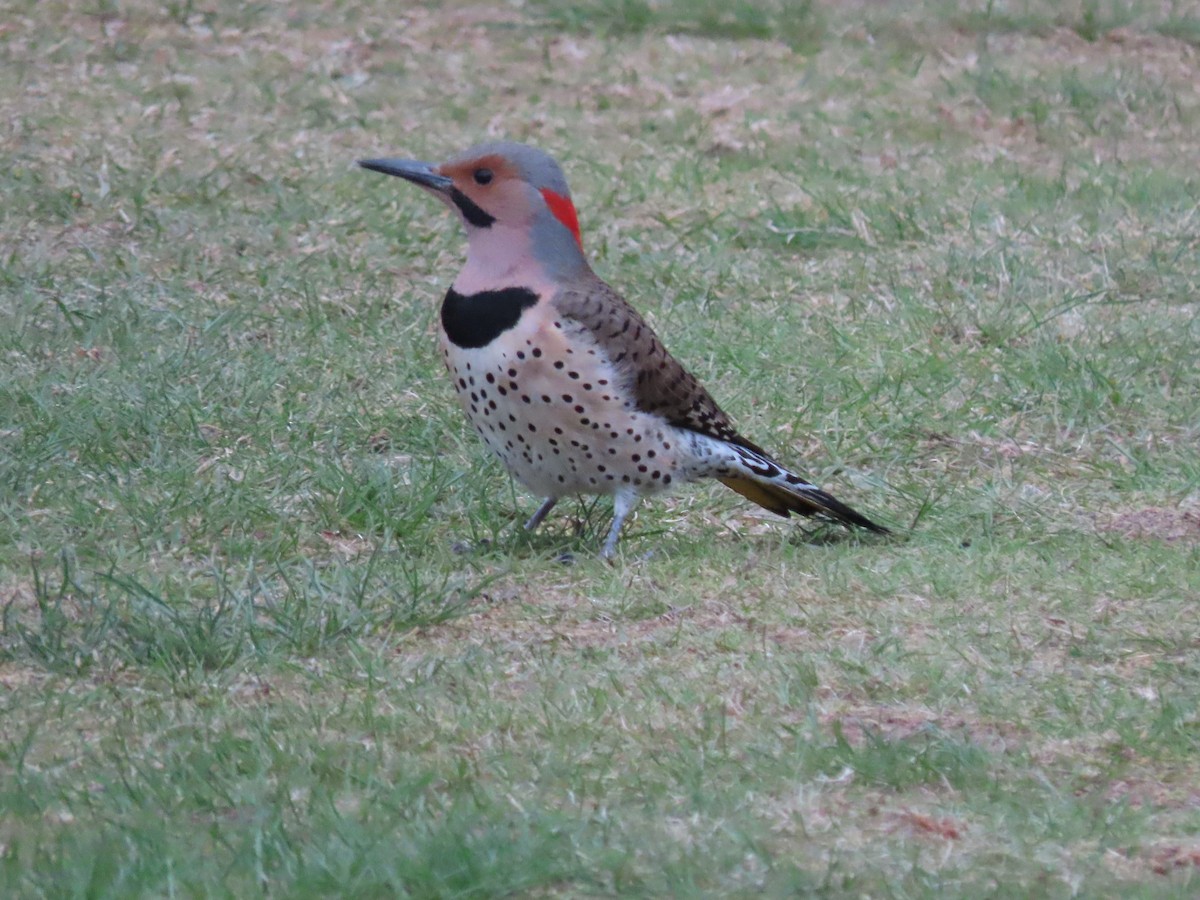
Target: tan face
488,186
493,184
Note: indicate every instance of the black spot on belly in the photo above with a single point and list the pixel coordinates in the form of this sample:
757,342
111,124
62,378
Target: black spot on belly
478,319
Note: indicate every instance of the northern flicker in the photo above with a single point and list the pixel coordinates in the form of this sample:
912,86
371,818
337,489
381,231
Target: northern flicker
564,380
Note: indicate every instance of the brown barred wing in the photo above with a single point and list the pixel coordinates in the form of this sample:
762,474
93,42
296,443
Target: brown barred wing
659,383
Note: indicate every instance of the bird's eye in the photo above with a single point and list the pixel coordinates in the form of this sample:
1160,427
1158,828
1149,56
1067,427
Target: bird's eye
483,176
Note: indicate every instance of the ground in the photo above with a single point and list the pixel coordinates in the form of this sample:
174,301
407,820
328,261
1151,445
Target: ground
270,624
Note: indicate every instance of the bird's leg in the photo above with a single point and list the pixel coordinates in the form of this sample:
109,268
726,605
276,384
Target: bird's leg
536,519
623,504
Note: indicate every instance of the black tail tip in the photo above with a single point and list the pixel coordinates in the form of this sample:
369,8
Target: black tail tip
860,521
848,516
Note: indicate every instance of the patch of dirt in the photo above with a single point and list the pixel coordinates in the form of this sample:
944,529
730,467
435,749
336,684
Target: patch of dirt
16,676
18,597
900,723
947,828
347,546
1138,792
1154,523
1173,858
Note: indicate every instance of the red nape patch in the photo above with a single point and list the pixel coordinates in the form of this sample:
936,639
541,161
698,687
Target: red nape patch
564,211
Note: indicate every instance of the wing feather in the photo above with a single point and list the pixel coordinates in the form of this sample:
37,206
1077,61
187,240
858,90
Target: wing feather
662,386
659,382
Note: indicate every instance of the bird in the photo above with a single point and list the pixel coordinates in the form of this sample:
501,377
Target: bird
562,378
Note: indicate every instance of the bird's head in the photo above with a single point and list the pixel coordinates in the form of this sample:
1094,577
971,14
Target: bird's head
503,192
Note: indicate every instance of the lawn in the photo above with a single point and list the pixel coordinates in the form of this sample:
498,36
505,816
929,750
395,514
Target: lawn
270,623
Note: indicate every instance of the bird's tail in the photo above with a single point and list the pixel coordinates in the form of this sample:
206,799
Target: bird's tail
763,481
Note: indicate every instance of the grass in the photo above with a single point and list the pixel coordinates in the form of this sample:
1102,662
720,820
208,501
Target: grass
269,623
798,23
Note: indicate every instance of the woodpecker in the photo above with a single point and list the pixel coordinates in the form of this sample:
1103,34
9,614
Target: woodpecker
560,376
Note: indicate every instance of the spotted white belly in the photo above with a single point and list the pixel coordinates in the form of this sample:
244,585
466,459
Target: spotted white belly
552,408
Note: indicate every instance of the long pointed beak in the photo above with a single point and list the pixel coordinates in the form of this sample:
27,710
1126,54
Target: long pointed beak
420,173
